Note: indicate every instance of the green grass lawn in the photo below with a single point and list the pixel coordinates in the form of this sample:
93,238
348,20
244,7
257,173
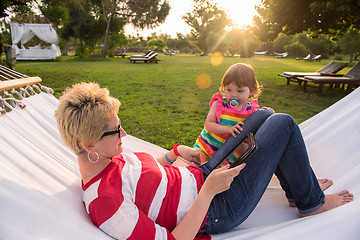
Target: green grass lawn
162,104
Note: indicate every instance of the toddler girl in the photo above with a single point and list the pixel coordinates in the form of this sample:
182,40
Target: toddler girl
226,115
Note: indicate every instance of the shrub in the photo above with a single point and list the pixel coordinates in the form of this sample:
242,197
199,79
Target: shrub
338,57
296,49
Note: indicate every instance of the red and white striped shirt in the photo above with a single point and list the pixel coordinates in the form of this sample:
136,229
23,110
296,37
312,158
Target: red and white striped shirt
135,197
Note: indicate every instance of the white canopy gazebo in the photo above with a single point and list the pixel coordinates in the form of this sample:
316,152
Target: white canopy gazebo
23,32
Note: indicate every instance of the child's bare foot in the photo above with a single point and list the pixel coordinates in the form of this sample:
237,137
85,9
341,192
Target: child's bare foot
333,201
324,184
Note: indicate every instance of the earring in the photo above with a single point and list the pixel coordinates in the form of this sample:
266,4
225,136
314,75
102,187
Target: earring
97,155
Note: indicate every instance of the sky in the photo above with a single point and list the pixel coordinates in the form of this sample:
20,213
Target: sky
241,11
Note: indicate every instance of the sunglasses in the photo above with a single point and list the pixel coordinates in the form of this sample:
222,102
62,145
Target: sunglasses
117,131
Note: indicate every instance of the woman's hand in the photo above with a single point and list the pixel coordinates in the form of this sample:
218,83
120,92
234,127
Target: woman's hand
189,154
220,179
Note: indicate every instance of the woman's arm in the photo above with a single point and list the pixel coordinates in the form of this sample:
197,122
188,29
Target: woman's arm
187,153
212,125
218,181
170,155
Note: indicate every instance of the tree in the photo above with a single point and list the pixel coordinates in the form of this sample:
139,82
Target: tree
296,49
84,26
245,42
331,17
207,20
281,41
108,16
178,43
182,43
113,13
57,12
350,43
141,13
241,41
4,6
156,44
320,45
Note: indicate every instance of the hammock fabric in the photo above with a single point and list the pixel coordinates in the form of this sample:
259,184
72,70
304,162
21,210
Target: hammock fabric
40,181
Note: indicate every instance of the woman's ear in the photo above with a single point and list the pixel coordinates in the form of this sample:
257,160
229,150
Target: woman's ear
87,147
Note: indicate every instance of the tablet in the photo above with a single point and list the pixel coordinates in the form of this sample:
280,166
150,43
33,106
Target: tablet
244,150
240,152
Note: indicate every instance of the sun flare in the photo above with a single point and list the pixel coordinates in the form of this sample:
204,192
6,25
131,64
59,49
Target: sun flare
240,11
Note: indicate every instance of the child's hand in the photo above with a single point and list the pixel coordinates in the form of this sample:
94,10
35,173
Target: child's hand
268,108
236,129
189,154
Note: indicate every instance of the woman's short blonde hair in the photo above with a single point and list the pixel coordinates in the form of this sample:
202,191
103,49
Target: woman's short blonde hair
244,76
83,113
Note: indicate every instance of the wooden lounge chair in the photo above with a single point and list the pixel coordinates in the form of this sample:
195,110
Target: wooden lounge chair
308,57
150,59
282,55
352,79
330,69
121,54
147,54
261,53
317,58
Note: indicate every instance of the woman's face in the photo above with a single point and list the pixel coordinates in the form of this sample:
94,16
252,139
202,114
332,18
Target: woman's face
110,143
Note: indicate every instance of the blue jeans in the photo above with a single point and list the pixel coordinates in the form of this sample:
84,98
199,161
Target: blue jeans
281,150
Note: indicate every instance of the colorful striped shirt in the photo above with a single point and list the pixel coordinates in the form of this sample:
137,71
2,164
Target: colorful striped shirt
135,197
210,142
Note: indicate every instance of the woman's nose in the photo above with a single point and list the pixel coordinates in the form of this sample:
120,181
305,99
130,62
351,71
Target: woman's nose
122,132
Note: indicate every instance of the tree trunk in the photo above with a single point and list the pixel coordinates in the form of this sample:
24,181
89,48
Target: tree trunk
106,42
10,57
82,51
66,48
1,44
107,33
356,56
351,57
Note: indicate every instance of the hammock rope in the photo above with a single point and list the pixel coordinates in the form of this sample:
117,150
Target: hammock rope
20,86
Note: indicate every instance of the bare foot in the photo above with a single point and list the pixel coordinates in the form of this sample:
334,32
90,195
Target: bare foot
333,201
292,204
324,184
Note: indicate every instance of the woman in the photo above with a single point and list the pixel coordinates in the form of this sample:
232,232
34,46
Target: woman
134,196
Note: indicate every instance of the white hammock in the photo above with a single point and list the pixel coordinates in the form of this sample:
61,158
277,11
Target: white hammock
40,183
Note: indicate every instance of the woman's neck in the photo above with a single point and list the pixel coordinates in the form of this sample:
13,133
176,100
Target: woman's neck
89,170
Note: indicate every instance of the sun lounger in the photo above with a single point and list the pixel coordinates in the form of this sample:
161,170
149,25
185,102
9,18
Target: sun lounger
150,59
352,79
307,58
330,69
121,54
147,54
261,53
282,55
317,58
41,188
